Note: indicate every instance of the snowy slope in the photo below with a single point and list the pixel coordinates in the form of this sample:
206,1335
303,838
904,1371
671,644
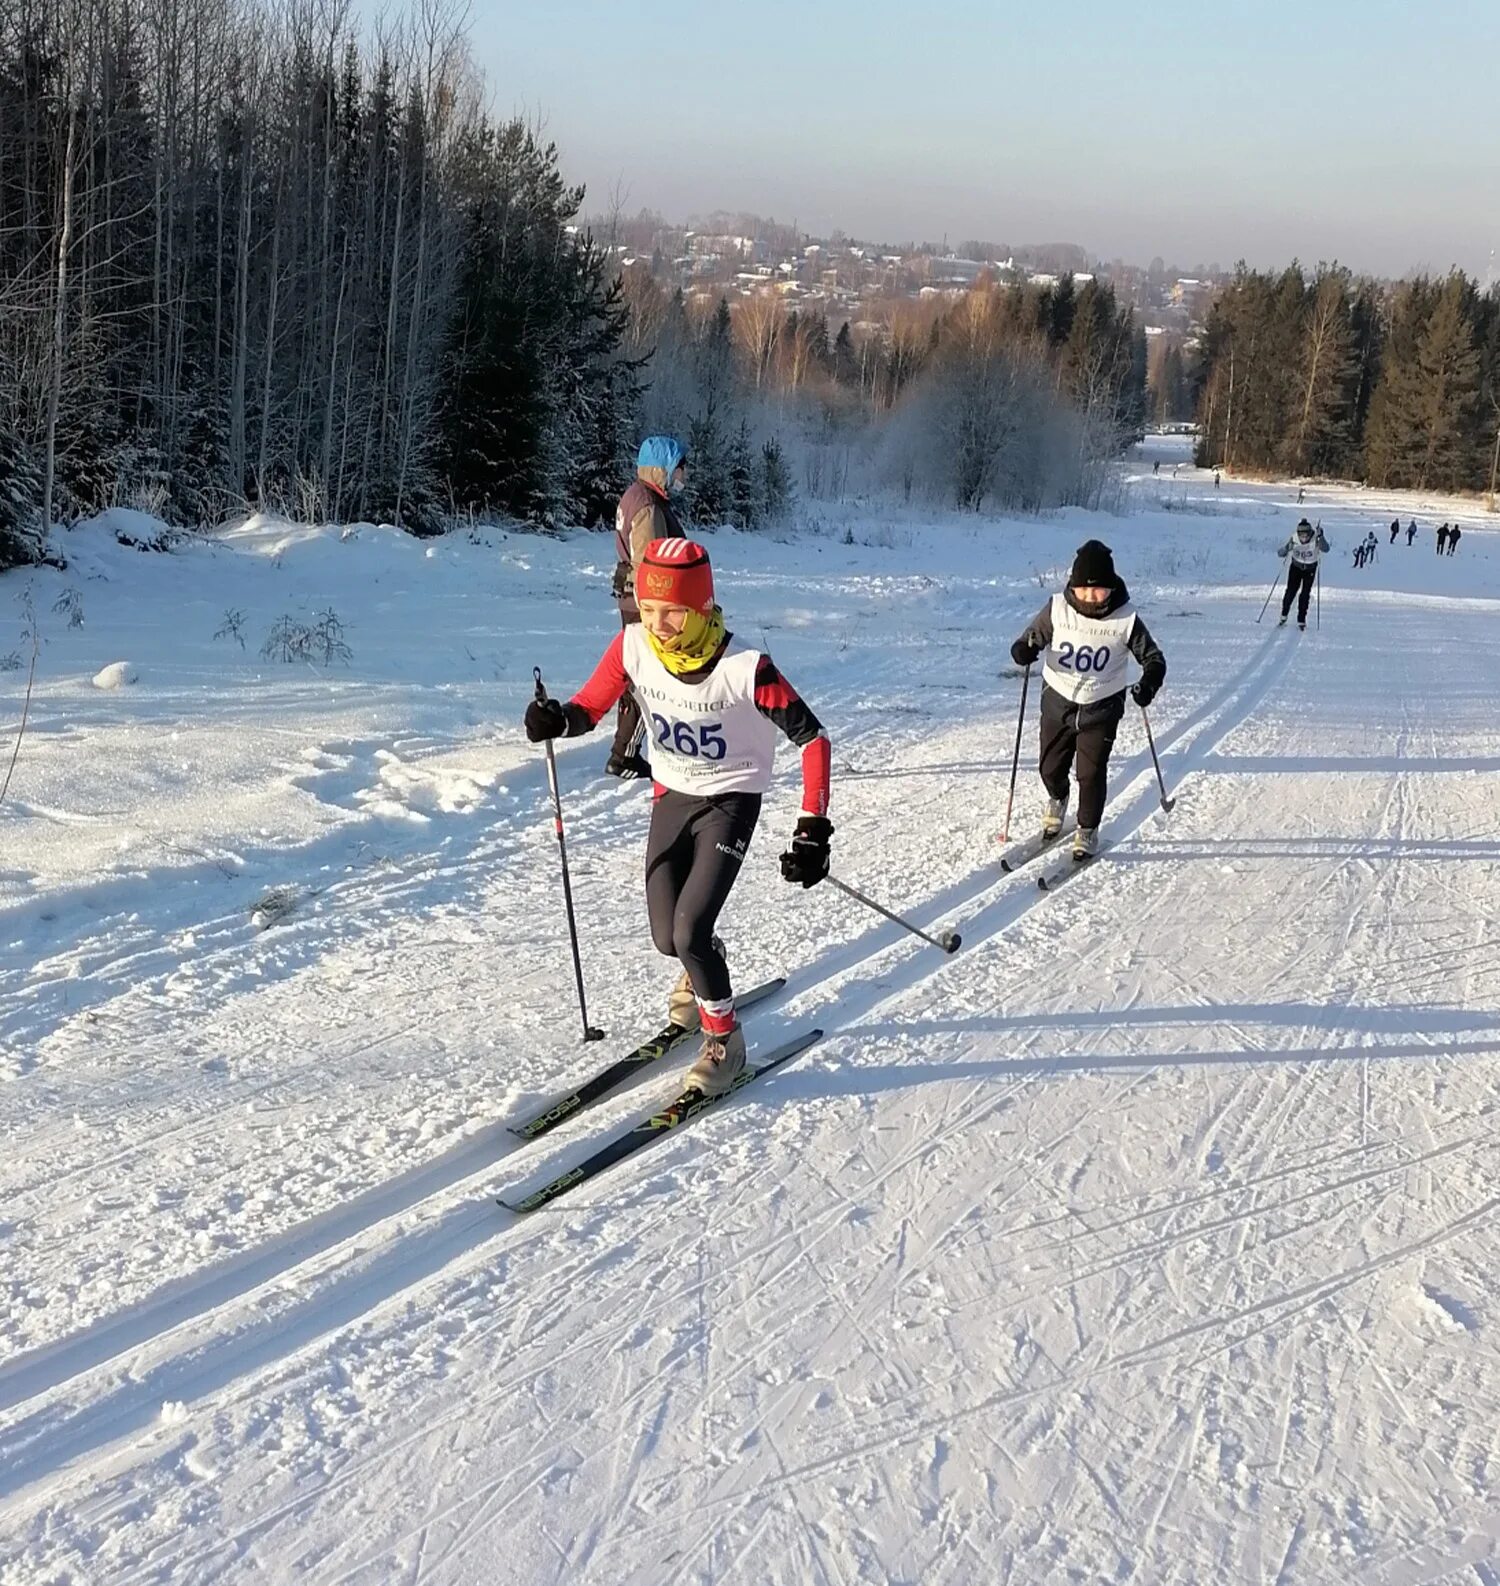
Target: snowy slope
1151,1237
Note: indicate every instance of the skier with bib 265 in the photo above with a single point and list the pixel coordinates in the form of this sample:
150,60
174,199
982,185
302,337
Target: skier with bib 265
713,706
1085,635
1304,546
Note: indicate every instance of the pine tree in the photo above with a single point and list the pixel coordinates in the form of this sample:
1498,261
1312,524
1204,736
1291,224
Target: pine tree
1323,401
744,498
775,482
20,503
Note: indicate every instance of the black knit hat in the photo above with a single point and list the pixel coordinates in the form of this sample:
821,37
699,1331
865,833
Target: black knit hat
1093,567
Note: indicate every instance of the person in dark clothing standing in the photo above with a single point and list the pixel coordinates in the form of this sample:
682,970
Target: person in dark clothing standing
645,513
1442,539
1086,633
1411,532
1395,529
1305,548
1453,535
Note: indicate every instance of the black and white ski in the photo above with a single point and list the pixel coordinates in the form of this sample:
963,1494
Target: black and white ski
689,1105
624,1068
1054,876
1023,852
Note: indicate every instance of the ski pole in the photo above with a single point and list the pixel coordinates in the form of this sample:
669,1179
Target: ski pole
1166,803
1271,591
1015,763
589,1032
949,941
1318,591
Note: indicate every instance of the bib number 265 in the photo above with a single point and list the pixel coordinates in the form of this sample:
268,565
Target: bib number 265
704,739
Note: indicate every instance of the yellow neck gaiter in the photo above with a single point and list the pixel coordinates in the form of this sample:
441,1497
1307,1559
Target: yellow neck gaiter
695,646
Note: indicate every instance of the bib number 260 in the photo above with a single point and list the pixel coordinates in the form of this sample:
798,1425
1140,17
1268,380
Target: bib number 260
1084,659
705,739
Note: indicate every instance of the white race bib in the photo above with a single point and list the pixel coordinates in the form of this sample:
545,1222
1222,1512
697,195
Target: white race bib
1305,555
1087,657
708,736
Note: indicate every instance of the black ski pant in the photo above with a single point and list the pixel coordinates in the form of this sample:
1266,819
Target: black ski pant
1299,584
693,859
628,717
1081,733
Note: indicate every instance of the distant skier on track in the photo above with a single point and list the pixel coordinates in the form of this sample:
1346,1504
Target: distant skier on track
1086,632
1305,547
714,706
645,513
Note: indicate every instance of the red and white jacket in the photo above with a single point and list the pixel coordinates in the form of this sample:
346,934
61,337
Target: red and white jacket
714,730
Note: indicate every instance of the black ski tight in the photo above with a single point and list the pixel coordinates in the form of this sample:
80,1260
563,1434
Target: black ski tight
1299,586
693,859
1086,732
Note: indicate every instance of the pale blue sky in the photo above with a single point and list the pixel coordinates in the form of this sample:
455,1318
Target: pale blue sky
1360,129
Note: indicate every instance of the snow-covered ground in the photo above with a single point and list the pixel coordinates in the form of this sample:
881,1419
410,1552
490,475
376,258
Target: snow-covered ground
1152,1237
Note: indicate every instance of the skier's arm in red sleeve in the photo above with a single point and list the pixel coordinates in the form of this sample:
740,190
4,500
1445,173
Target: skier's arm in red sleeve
594,701
776,699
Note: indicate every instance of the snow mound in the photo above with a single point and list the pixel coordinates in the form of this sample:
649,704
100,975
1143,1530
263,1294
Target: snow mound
134,526
116,675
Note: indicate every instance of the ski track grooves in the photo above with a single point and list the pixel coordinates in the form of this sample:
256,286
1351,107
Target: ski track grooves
250,1338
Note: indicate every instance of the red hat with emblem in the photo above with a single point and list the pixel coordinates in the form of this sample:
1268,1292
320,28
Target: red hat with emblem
677,572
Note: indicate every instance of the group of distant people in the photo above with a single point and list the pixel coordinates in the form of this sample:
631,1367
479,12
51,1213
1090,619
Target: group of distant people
1448,536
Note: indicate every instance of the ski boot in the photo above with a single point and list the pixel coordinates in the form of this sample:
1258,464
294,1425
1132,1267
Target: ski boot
720,1062
1282,623
1302,624
1085,843
1052,818
682,1004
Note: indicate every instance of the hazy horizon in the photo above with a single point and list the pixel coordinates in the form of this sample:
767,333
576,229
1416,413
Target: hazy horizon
1265,132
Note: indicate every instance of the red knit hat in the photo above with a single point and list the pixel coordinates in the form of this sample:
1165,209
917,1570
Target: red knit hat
677,572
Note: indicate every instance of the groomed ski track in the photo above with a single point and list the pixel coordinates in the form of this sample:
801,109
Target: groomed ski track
1150,1238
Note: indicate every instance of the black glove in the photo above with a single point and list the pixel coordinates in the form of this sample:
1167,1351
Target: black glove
546,718
1022,653
1143,693
807,859
628,767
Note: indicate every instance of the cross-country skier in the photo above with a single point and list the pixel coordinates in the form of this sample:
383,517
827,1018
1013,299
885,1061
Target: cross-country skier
1087,631
715,706
1360,552
1395,529
645,513
1442,539
1305,546
1453,537
1411,531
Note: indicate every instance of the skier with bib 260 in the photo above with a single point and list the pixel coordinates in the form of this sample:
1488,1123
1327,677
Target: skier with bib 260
1085,634
713,707
1305,545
